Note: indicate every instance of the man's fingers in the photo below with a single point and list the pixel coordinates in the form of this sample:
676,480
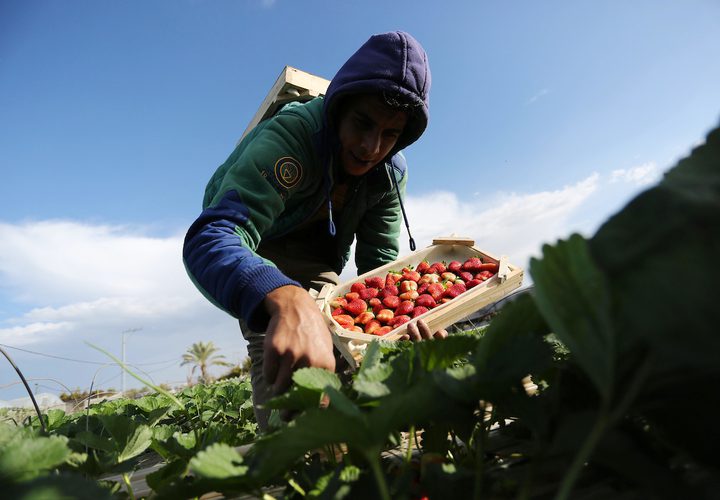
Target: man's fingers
283,380
413,332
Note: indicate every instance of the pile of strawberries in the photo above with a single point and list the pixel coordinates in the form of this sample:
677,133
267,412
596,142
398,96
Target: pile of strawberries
379,305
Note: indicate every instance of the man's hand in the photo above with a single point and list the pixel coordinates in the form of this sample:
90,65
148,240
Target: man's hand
297,337
421,331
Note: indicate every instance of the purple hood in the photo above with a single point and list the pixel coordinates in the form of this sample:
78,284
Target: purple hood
393,64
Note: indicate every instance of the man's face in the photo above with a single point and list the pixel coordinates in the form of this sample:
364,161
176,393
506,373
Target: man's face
368,130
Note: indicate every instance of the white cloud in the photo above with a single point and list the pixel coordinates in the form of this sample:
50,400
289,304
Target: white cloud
639,175
540,94
512,224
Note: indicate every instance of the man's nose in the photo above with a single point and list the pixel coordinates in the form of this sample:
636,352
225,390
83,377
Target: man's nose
370,144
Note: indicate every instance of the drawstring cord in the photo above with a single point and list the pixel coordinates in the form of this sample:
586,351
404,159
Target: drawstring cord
402,208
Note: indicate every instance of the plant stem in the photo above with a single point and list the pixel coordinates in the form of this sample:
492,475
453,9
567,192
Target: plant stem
579,462
411,436
379,476
126,480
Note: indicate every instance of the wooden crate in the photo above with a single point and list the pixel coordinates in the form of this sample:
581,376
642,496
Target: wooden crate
292,85
509,277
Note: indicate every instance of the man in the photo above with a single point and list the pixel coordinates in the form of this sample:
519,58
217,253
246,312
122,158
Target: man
279,216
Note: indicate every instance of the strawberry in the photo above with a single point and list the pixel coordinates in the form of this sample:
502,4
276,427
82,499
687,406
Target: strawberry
411,295
350,296
411,276
472,264
455,266
388,290
447,276
382,330
356,328
368,293
483,275
452,292
372,326
377,308
425,300
472,283
399,320
338,302
419,310
356,287
439,267
338,310
429,278
384,315
364,318
422,288
356,307
374,302
423,267
392,278
344,320
408,285
375,282
405,307
489,266
436,290
391,301
465,276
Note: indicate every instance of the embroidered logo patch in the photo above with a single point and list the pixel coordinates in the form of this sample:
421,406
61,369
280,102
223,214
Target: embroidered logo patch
288,172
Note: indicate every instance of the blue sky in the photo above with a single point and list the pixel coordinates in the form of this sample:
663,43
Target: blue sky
546,117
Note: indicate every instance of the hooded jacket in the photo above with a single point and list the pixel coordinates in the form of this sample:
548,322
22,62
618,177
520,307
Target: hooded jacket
281,180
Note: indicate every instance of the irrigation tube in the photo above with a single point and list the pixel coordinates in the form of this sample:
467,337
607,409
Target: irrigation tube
27,388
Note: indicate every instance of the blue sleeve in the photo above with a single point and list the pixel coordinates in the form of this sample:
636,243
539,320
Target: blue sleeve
225,268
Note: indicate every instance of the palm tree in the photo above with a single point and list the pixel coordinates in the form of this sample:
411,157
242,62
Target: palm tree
201,355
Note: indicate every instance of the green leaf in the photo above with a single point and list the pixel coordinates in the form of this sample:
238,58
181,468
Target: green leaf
343,404
167,474
64,486
316,379
572,295
218,461
137,442
27,457
439,354
96,442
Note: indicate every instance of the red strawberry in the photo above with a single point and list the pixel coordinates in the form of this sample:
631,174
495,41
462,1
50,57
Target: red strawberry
408,285
472,283
423,267
372,326
392,278
368,293
436,290
439,267
472,264
411,295
337,311
453,291
388,290
375,282
382,330
356,287
374,302
419,310
411,276
338,302
465,276
350,296
405,307
344,320
384,315
489,266
422,288
455,266
364,318
483,275
356,307
356,328
399,320
391,301
425,300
